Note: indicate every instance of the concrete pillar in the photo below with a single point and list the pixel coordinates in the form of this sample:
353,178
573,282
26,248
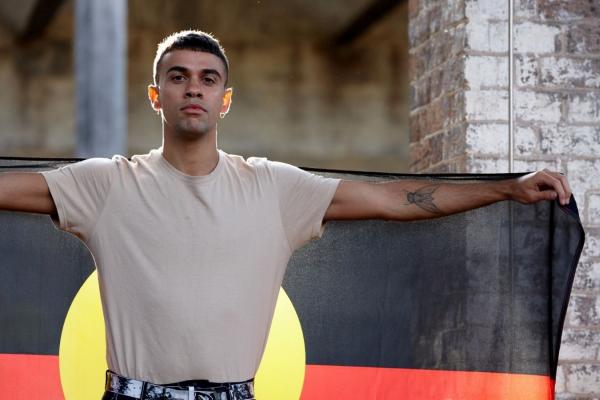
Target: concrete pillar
459,122
100,61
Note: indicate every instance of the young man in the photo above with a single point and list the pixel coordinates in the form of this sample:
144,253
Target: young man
191,243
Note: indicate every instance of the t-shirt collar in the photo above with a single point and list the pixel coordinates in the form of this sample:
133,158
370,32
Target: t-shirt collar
190,178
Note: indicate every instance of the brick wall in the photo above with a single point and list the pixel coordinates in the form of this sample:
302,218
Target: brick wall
459,122
437,40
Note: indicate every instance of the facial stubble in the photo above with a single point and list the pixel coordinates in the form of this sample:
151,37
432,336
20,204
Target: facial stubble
191,128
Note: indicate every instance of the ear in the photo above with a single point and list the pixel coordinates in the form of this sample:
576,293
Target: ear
226,101
153,97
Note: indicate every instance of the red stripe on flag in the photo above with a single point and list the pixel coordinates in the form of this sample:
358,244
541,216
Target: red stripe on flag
30,377
353,383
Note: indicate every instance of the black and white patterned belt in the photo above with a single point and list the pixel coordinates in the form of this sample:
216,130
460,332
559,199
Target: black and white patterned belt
202,390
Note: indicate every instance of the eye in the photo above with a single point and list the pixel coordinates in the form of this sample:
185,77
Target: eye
209,80
177,78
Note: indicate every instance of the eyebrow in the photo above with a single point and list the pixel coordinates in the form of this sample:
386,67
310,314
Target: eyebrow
205,71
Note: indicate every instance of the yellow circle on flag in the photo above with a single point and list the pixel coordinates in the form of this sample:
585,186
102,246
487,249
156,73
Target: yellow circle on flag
83,347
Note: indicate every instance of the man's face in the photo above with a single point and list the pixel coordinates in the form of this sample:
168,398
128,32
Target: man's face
191,93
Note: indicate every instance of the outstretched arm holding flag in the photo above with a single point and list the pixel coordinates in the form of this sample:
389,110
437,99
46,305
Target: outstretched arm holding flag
415,199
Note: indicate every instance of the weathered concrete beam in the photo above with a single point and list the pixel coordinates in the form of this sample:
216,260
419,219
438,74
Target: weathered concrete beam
15,14
364,20
100,73
41,16
27,19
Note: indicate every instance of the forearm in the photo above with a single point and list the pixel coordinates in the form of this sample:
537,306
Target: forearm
417,199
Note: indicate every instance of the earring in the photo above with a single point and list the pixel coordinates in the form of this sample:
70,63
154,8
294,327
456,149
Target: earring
222,115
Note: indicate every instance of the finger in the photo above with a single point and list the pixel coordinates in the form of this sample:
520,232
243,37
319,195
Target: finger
547,195
555,183
565,184
541,195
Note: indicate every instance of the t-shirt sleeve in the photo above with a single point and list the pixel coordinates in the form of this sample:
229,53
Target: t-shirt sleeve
79,191
303,200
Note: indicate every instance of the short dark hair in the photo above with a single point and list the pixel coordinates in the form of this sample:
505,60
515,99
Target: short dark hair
190,40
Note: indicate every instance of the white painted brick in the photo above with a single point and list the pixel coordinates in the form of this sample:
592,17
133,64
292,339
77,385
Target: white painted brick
526,73
579,345
535,165
591,248
485,9
560,379
487,139
569,72
564,140
530,37
584,311
486,166
584,108
571,396
525,9
481,71
554,139
533,106
487,36
584,175
584,379
564,396
593,209
568,316
526,141
587,276
486,104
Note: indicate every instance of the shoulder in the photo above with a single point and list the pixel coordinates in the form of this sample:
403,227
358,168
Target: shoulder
251,165
106,168
92,167
277,172
264,168
136,163
274,167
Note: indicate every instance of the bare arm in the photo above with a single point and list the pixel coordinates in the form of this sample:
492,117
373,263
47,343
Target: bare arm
25,191
416,199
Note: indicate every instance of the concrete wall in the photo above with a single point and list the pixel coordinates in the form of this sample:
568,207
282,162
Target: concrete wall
461,45
297,98
37,96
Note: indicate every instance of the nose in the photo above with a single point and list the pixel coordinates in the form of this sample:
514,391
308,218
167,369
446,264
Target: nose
193,89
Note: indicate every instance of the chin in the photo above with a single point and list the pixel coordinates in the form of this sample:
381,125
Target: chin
192,130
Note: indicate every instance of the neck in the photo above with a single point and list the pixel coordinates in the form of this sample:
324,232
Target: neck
192,157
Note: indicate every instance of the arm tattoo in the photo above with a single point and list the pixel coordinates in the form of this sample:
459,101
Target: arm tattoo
423,197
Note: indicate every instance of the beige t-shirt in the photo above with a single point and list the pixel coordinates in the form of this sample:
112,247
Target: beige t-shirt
189,266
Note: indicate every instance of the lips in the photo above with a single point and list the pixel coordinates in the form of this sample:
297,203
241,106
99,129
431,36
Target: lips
193,109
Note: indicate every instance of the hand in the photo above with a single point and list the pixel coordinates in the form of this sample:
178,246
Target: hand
541,185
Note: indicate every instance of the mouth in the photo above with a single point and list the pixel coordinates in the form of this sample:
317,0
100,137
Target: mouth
193,109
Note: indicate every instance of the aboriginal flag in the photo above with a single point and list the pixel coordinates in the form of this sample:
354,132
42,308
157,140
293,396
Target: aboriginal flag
469,306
